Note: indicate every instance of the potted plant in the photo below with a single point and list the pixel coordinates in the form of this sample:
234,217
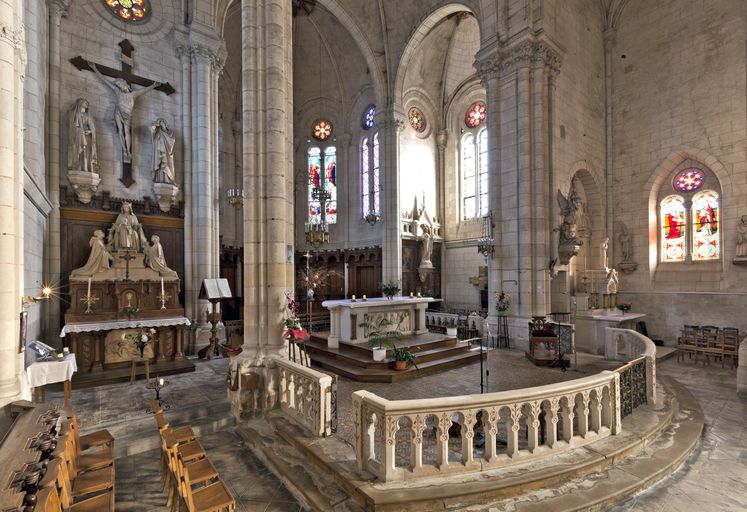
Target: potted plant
389,289
624,307
142,338
294,331
451,327
502,303
380,336
403,358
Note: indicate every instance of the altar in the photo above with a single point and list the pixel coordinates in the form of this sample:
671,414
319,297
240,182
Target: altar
406,314
591,328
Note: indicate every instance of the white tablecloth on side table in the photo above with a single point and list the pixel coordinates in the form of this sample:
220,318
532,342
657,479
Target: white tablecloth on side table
48,372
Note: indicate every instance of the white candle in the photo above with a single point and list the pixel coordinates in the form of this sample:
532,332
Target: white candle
160,381
411,294
418,294
353,298
162,294
89,286
364,297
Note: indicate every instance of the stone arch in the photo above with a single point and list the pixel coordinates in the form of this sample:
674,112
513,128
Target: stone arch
584,172
659,176
423,28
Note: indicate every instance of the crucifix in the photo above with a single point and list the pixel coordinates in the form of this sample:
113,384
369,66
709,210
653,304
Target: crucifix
127,257
122,88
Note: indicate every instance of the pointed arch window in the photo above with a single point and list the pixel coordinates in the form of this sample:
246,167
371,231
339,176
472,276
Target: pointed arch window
369,159
474,171
322,177
689,220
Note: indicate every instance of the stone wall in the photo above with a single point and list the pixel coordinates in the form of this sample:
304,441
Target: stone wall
679,93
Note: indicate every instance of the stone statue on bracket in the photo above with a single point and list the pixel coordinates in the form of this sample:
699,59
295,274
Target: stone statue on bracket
569,242
82,155
154,257
98,260
164,174
625,240
740,258
126,234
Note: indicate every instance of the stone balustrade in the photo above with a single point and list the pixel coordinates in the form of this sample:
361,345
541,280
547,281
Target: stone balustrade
305,396
635,349
405,439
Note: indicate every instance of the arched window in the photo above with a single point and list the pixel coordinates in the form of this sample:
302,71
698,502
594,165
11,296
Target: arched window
129,10
369,159
322,181
474,170
689,219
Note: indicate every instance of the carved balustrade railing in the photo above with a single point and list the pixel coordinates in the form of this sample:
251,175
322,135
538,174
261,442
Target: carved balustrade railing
306,396
638,376
405,439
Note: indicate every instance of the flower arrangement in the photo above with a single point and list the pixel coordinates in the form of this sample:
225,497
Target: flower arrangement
130,311
292,323
624,307
502,302
142,338
389,289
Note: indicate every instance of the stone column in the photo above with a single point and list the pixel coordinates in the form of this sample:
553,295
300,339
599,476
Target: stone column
267,111
390,123
57,9
441,140
12,64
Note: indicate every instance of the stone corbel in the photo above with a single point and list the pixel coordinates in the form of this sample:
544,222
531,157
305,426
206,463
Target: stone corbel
85,184
165,195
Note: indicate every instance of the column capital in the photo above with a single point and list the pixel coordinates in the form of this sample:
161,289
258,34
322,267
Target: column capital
442,138
390,119
523,54
57,9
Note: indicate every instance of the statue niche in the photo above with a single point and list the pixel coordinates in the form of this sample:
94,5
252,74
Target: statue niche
82,155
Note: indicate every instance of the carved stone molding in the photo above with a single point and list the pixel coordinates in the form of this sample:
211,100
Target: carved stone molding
58,9
85,184
524,53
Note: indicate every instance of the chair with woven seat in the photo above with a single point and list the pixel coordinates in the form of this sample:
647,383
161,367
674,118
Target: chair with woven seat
688,342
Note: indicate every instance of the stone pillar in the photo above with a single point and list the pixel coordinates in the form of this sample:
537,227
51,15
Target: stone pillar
12,64
184,53
441,140
267,103
57,9
390,123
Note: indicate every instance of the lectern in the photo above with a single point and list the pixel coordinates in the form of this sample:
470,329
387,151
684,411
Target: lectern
214,290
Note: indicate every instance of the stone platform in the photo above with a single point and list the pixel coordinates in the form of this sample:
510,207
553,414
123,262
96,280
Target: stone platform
433,352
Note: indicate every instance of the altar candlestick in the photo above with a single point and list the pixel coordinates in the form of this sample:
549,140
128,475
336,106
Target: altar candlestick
162,286
352,298
411,295
160,381
89,287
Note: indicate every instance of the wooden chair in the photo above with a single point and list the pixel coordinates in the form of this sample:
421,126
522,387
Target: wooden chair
190,451
710,344
200,472
688,342
95,459
730,338
98,439
214,497
54,494
183,434
82,483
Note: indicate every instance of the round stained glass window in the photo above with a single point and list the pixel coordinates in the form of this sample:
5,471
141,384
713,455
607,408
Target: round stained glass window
368,117
689,180
476,114
129,10
322,130
417,119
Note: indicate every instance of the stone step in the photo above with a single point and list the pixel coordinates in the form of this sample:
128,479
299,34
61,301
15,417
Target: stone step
423,354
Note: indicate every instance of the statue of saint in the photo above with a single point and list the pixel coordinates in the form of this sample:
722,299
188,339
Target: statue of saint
427,240
123,110
742,238
154,257
98,260
570,209
163,153
126,234
81,153
603,248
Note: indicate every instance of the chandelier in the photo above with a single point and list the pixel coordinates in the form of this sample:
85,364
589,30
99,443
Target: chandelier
486,243
317,233
372,218
235,197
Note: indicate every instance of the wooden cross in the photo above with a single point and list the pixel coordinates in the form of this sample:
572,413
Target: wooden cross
126,74
127,257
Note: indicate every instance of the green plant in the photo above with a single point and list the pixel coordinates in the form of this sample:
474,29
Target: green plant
130,310
624,307
380,334
389,289
452,322
404,354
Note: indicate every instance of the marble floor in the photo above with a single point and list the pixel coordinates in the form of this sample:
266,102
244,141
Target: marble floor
713,479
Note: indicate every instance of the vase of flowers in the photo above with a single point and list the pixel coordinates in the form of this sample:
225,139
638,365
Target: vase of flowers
624,307
293,329
390,289
142,338
130,311
502,303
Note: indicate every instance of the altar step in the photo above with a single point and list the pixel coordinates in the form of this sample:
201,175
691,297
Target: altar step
433,353
83,379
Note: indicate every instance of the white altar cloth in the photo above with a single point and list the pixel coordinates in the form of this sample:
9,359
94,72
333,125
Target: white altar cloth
49,372
346,316
112,325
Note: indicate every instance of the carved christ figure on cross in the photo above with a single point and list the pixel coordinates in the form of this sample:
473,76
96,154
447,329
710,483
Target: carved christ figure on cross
123,110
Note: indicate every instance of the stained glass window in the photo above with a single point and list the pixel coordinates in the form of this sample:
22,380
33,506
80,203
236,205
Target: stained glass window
705,219
469,184
417,119
368,117
322,130
673,229
474,170
476,114
322,177
689,180
365,179
375,176
482,167
129,10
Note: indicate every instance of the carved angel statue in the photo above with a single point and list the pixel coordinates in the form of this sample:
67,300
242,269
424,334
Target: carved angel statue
163,153
81,152
742,238
155,258
570,210
98,259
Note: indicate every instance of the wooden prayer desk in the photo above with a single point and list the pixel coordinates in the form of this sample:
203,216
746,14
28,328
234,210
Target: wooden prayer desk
543,357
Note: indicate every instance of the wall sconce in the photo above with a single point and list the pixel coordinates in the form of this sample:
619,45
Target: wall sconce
372,218
235,197
45,293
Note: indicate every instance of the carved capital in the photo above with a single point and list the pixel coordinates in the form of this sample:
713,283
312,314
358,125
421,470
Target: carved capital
15,36
58,9
441,139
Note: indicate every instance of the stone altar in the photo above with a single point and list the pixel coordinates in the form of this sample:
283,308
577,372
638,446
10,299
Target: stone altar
406,313
591,328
